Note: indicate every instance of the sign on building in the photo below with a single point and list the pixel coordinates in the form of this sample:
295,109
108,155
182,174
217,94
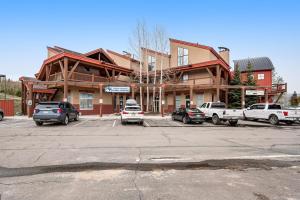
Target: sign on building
255,92
115,89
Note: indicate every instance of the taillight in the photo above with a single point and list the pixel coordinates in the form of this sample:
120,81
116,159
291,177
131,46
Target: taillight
124,112
285,113
59,111
142,112
36,111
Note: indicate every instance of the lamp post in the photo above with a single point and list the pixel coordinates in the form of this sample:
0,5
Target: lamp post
4,76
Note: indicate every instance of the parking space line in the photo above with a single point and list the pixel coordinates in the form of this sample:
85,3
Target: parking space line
80,122
146,123
114,123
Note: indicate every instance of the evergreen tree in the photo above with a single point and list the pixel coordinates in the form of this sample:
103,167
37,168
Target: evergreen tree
249,100
235,94
294,99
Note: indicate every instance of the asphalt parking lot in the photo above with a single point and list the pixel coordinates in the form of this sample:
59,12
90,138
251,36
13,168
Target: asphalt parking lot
163,159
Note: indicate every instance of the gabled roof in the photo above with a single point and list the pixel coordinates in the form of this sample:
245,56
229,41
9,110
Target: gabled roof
202,47
101,51
122,56
259,63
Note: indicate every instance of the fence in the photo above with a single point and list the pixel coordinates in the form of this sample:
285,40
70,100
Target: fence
8,107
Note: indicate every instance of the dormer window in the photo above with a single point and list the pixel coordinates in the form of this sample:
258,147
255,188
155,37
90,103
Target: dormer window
151,63
183,56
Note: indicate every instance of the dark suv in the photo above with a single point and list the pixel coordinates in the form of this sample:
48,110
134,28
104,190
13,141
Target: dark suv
1,115
62,112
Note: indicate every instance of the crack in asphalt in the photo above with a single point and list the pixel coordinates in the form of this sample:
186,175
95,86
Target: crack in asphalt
135,175
39,157
230,164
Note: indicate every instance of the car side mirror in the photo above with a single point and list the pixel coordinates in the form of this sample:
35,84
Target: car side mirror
248,108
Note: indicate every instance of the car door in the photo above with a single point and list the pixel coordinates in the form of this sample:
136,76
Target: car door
69,110
251,111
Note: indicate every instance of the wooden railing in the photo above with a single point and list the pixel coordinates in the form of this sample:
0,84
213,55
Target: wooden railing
76,76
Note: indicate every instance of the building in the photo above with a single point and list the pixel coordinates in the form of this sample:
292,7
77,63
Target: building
262,73
100,81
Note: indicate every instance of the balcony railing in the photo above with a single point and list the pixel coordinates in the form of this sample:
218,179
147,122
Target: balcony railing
76,76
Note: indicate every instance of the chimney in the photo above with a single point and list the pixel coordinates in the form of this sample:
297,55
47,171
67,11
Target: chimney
224,53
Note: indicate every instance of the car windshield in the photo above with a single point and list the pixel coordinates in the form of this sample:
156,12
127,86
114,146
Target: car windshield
218,105
133,108
48,105
194,110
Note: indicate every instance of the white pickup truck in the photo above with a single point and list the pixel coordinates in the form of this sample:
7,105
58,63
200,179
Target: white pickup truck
271,112
217,112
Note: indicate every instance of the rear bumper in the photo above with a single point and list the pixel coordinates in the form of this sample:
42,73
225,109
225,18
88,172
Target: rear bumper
132,119
232,117
50,118
197,119
291,119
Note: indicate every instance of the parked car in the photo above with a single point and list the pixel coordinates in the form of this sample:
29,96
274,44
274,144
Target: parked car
217,112
188,115
1,115
131,102
62,112
132,113
271,112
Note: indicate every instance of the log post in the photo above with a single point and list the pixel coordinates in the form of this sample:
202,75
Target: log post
191,96
65,79
218,80
100,99
162,101
226,98
29,100
132,91
266,96
243,97
174,98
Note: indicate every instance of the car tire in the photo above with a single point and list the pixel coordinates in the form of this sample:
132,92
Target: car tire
215,119
39,123
77,117
233,122
273,119
1,116
66,120
123,122
185,120
142,122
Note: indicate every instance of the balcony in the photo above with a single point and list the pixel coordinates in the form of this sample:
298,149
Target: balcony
76,76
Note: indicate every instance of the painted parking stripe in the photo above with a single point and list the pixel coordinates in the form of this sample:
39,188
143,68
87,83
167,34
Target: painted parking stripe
114,123
146,123
81,122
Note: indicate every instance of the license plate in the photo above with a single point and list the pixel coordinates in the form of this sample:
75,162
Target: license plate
197,115
46,112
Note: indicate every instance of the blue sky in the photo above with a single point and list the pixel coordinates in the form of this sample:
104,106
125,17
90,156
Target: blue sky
249,28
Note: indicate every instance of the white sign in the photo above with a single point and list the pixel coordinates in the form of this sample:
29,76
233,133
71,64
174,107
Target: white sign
100,100
163,102
113,89
255,92
29,102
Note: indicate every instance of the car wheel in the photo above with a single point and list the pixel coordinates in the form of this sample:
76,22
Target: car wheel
66,120
185,120
173,118
1,116
77,117
216,120
39,123
274,120
142,122
233,122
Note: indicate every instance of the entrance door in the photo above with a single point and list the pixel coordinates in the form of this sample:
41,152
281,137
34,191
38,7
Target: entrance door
178,102
156,104
121,103
187,101
199,99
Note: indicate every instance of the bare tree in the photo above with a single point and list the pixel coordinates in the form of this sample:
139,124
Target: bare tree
138,40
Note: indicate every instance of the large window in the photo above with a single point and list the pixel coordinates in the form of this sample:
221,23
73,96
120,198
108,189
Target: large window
185,77
260,76
183,56
151,63
86,101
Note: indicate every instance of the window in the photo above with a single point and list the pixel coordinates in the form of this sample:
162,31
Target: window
260,76
274,107
86,101
185,77
183,56
151,63
203,105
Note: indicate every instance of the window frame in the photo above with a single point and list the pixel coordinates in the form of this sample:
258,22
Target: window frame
260,76
182,56
86,98
151,60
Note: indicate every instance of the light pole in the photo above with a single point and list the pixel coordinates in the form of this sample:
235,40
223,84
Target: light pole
4,76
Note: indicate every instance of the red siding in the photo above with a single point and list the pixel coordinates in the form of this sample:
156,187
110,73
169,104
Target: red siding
267,81
8,107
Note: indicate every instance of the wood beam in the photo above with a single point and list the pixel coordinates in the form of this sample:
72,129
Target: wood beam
73,69
61,68
65,79
29,100
107,73
100,99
